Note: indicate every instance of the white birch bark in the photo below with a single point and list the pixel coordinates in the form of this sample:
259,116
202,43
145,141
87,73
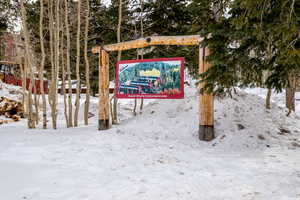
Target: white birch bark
41,70
67,29
87,64
77,103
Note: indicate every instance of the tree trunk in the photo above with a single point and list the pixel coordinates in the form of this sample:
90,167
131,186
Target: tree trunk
134,107
41,70
77,103
56,62
141,106
135,100
115,105
290,94
87,65
68,64
36,104
31,120
142,55
269,57
24,77
63,89
52,92
268,99
63,74
28,58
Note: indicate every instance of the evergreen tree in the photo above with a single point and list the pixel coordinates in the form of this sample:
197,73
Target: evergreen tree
252,37
168,18
3,17
7,14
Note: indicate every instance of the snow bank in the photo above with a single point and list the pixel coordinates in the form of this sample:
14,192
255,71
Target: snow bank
241,122
157,155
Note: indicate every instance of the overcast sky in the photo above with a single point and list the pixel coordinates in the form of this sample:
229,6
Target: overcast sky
106,2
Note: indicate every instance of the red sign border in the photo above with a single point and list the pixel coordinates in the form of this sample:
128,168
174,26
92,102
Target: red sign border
151,96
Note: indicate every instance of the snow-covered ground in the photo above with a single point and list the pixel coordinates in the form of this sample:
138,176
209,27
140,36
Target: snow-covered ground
157,154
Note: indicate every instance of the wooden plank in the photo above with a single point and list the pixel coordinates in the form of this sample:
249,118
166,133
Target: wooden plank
104,91
151,41
206,102
9,62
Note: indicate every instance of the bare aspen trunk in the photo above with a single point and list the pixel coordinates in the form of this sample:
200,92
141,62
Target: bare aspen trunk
87,64
268,99
137,57
110,106
142,55
63,89
50,16
41,70
63,73
68,64
28,58
52,92
77,103
290,94
115,119
134,107
119,28
31,121
56,63
24,77
142,105
36,104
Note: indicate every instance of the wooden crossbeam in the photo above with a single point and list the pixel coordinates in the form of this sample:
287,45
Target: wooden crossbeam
151,41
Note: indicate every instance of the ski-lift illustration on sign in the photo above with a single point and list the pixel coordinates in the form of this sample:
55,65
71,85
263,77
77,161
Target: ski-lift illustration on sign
161,78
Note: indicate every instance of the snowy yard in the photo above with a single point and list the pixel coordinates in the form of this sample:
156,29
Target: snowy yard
157,155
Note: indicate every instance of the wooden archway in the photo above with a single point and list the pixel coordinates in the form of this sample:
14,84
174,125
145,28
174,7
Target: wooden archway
206,101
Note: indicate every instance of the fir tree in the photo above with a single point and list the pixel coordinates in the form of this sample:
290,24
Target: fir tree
252,37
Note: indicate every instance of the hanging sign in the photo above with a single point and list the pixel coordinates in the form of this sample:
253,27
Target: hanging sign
161,78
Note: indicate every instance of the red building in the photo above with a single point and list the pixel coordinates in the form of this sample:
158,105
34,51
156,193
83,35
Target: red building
10,46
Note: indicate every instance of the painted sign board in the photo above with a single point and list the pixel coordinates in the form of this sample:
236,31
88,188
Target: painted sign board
161,78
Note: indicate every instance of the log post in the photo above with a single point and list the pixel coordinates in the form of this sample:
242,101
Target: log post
104,91
206,102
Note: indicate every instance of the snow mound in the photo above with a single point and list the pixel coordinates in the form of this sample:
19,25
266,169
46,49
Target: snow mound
244,122
241,122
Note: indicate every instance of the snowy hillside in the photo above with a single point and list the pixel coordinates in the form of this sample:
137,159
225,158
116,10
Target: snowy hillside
157,155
